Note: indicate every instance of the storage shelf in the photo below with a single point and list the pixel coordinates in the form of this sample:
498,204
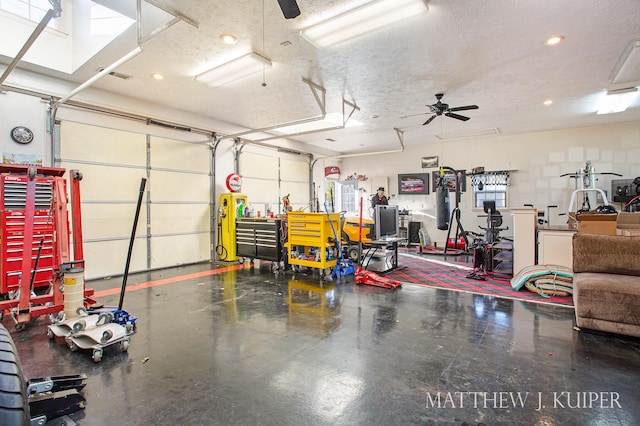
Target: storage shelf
501,257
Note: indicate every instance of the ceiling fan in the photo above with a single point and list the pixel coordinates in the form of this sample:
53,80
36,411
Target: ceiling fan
440,108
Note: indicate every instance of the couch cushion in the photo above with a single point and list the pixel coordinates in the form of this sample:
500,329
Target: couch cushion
614,254
607,297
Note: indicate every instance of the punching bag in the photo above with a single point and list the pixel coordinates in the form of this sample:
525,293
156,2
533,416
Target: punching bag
442,208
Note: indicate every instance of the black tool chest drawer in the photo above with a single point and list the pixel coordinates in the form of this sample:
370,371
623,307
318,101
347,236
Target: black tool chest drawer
259,238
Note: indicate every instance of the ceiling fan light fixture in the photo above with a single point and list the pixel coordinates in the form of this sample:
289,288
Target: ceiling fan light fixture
617,100
361,20
236,69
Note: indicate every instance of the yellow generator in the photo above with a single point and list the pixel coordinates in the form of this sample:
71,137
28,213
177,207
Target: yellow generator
231,207
351,233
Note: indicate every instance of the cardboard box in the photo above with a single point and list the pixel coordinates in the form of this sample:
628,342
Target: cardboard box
628,232
628,223
629,218
597,223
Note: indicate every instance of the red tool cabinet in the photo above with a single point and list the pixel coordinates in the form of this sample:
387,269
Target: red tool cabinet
13,195
35,237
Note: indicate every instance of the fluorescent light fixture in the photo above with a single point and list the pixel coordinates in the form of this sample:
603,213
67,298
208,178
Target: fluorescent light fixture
627,68
617,100
236,69
361,20
469,134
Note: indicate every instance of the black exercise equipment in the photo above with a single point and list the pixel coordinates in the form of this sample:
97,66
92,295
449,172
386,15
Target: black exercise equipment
494,221
542,218
455,213
442,207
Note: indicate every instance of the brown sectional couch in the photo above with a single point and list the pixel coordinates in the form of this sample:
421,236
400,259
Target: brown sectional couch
606,282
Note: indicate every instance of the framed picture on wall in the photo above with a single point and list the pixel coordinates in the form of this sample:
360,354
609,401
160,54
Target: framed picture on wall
450,180
429,162
413,183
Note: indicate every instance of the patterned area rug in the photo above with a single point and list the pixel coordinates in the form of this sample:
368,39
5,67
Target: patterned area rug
429,272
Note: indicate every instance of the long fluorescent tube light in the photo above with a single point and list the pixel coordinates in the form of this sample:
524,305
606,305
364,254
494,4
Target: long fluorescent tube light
236,69
627,68
617,100
361,20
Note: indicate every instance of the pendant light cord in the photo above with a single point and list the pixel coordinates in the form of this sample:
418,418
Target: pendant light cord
264,82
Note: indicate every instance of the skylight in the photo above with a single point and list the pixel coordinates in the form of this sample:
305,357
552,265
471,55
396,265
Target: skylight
108,22
86,29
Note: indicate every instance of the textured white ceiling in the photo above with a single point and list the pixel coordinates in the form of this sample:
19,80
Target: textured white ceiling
489,53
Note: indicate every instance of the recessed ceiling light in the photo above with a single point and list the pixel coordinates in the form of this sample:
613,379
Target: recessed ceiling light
228,38
548,102
551,41
157,76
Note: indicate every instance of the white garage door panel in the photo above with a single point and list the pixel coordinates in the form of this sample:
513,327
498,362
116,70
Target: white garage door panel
172,154
107,258
172,187
258,166
298,193
106,183
179,250
294,170
99,144
180,218
113,162
260,191
101,221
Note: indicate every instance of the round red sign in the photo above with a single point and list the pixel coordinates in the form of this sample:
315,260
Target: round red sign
234,182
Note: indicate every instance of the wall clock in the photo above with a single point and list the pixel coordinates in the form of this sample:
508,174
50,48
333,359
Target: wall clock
21,134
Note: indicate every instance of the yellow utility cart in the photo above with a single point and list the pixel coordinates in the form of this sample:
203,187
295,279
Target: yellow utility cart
311,240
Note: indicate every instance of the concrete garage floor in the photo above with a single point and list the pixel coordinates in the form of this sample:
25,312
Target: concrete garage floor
249,346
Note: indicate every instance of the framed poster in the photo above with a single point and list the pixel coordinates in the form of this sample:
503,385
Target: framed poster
429,162
450,180
413,183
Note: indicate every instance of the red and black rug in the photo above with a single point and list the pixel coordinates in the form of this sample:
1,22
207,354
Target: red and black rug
430,272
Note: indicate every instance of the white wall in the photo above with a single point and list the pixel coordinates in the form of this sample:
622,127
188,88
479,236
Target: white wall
28,111
537,159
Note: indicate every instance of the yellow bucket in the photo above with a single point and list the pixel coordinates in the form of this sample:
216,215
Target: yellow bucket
73,292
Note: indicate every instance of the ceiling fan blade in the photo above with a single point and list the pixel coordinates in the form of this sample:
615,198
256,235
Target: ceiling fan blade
429,120
464,108
413,115
457,116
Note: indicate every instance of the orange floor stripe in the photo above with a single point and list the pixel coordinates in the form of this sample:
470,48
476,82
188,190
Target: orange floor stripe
148,284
